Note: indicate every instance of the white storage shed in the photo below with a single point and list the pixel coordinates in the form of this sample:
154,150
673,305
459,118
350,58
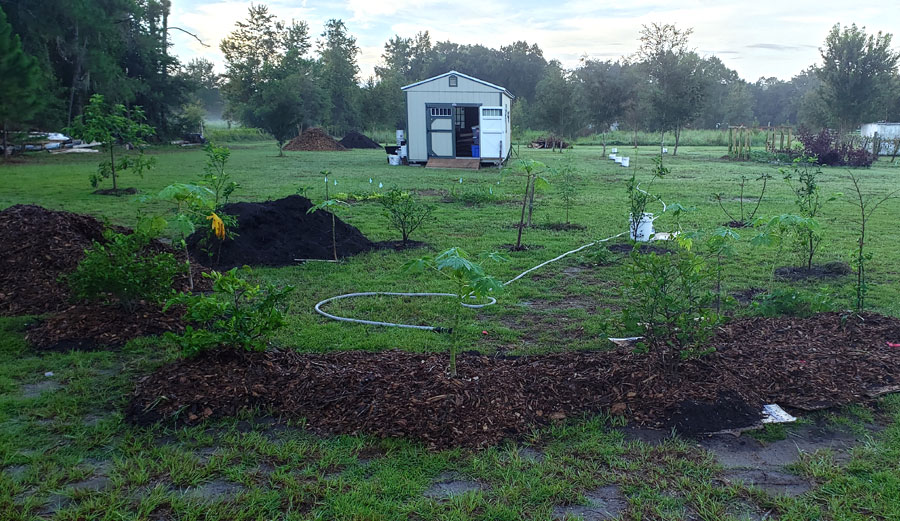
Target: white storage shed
456,116
886,132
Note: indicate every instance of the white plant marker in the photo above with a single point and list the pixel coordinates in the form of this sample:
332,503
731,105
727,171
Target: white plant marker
380,185
370,180
460,180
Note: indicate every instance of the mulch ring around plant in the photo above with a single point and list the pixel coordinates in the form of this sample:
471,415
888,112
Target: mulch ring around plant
823,361
86,327
115,191
829,270
279,233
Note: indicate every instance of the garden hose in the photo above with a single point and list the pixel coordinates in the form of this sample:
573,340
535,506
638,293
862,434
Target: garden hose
439,329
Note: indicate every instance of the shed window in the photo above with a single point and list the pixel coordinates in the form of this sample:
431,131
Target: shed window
454,81
441,111
497,113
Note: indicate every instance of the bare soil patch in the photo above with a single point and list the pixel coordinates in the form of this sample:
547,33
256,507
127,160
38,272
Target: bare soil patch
560,227
825,360
115,191
830,270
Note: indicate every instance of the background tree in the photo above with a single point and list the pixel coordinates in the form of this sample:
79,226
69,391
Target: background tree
855,73
337,74
19,87
728,99
605,91
676,82
556,106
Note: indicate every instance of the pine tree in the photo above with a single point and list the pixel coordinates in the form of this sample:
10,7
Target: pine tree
19,85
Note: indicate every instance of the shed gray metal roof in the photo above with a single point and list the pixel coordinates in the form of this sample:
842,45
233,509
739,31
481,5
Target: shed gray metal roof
455,73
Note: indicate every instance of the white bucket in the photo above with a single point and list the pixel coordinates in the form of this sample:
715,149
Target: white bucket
618,160
665,150
394,160
615,151
399,136
644,230
626,161
403,151
612,156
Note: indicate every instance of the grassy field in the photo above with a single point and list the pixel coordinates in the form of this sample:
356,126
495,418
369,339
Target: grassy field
67,454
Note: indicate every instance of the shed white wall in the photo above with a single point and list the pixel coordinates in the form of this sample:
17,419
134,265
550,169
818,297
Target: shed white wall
886,131
439,91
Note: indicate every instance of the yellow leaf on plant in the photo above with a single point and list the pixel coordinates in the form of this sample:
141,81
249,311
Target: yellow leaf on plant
218,226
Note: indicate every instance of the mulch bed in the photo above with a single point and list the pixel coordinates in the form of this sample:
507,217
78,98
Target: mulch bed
276,233
829,270
823,361
313,139
354,139
115,191
87,326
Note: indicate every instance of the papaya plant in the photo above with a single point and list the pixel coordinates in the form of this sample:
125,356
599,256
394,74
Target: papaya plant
469,281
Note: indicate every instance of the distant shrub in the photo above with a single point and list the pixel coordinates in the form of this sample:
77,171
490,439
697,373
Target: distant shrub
829,149
794,303
224,135
405,212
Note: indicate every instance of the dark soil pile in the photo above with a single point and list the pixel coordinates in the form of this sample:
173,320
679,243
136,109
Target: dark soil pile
313,139
276,233
354,139
808,363
87,326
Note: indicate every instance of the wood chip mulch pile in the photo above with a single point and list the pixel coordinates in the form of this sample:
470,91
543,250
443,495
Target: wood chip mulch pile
313,139
40,246
821,361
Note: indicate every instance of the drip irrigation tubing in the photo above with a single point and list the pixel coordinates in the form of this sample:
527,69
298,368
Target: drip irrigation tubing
491,300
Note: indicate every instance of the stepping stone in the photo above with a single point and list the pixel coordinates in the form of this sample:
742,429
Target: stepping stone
36,389
449,484
747,452
213,491
603,503
773,482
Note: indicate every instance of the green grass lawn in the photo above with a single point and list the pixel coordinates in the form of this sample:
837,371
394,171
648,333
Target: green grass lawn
66,453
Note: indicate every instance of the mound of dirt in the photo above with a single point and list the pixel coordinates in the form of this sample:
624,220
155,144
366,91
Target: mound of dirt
313,139
87,326
276,233
40,245
822,361
354,139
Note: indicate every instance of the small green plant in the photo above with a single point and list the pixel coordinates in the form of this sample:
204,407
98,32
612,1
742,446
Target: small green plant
112,126
193,204
809,201
721,245
866,205
777,231
533,172
331,205
470,282
123,270
218,180
639,199
238,314
792,302
405,212
565,180
744,219
669,303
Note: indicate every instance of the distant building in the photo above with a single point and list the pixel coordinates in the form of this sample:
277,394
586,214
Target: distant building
886,134
455,116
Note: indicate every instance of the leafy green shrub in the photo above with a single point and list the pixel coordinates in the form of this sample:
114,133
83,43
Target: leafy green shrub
405,212
124,270
237,134
239,314
791,302
669,303
473,196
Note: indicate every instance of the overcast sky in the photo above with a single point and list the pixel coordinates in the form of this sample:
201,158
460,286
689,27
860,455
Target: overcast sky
768,38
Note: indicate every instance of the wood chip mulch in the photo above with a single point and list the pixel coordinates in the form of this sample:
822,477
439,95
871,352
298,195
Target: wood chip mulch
826,360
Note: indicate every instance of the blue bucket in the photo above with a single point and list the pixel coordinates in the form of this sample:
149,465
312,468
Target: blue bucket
476,152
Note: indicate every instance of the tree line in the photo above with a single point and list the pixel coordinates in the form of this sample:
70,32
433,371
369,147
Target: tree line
281,78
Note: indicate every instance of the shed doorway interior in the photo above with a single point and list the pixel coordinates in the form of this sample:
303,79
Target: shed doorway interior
465,127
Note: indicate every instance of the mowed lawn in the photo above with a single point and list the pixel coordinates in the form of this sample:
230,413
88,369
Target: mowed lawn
67,454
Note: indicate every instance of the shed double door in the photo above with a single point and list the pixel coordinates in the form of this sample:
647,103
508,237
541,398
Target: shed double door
440,139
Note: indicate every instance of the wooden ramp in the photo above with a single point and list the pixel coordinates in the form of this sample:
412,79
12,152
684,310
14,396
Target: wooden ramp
460,163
